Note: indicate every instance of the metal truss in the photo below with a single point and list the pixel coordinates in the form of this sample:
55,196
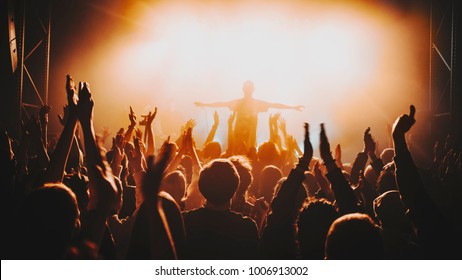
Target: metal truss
34,57
442,58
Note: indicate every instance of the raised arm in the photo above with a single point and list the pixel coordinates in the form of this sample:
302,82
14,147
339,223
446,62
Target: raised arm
104,199
278,239
151,221
323,183
287,195
436,235
274,131
55,170
44,124
344,194
117,158
35,131
131,127
360,160
370,145
213,130
147,122
191,151
230,150
338,156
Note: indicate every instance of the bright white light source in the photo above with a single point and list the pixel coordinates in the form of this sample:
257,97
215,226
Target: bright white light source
311,55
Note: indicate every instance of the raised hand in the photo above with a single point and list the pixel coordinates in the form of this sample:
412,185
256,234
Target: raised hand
338,156
148,133
338,153
160,238
304,161
132,117
199,104
404,123
117,152
231,119
71,91
152,116
298,108
55,169
290,143
294,145
273,119
277,116
149,118
72,99
215,118
213,130
44,111
138,133
85,104
307,147
187,143
104,198
33,128
369,143
155,172
324,146
106,134
136,158
120,141
283,125
191,123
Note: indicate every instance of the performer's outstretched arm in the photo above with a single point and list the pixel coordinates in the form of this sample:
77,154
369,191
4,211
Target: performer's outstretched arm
215,104
283,106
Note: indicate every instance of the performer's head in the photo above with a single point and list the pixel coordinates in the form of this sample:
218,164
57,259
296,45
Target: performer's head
248,88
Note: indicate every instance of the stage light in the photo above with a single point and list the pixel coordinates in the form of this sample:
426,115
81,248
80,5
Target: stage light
316,55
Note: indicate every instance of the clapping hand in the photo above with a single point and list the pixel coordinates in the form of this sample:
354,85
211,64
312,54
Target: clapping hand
404,123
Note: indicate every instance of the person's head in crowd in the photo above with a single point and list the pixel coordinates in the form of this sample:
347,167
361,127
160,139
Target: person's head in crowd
370,175
218,181
313,224
212,150
354,236
49,221
269,177
268,153
79,186
174,183
387,155
311,184
390,212
386,181
302,195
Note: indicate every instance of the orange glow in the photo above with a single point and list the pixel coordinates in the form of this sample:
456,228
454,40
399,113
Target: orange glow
338,61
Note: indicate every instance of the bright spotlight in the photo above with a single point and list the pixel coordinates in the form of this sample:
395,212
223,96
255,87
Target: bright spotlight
299,54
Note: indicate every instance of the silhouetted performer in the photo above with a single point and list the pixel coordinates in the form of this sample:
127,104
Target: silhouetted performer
247,109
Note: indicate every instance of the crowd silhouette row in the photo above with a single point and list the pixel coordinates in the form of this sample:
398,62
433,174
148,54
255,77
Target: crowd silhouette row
72,199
